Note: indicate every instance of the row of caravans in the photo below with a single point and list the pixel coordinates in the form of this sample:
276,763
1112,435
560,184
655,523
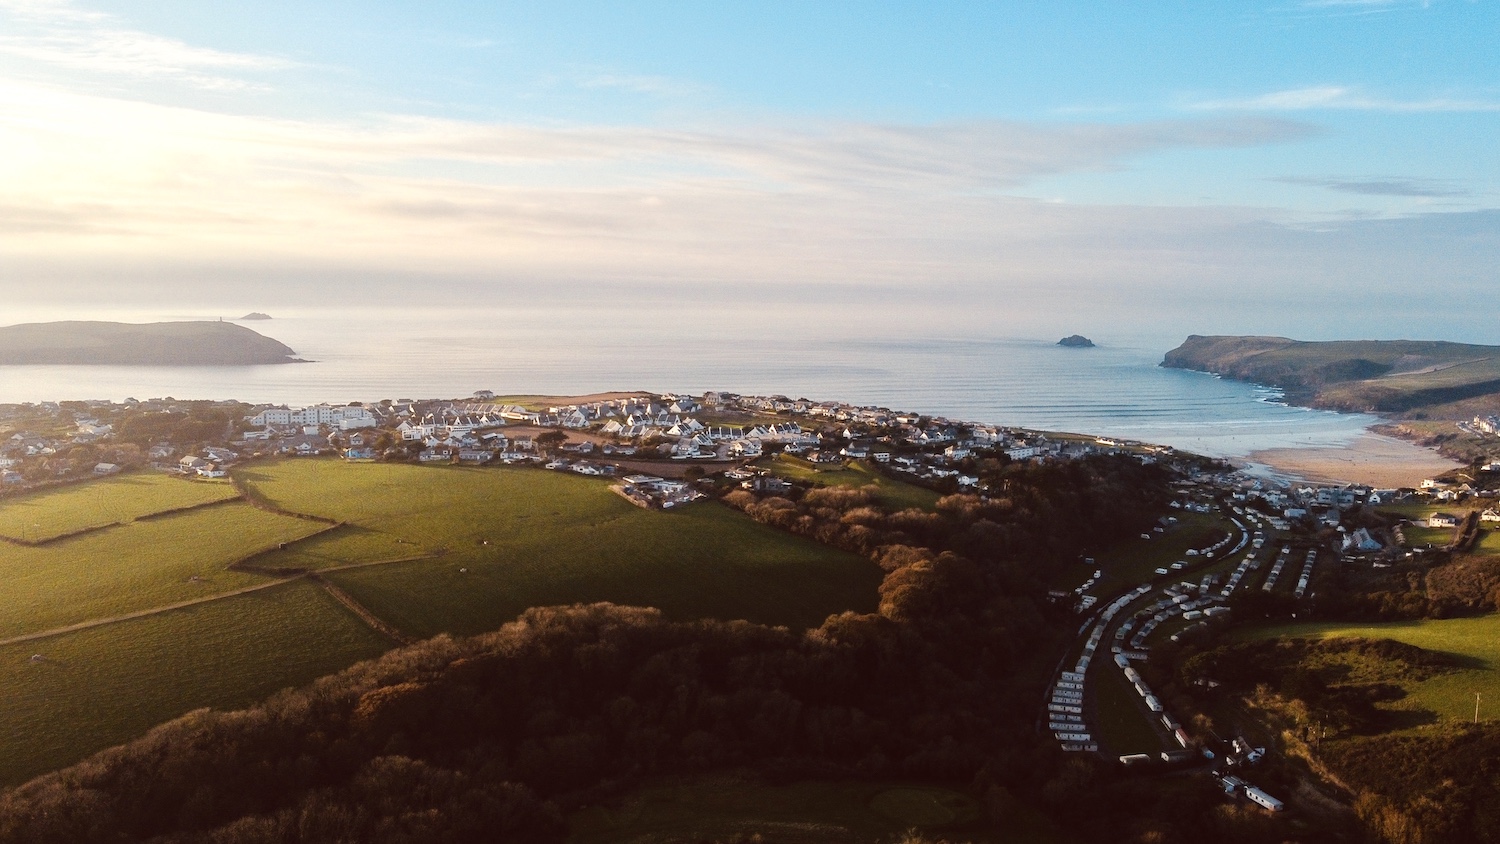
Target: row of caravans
1306,576
1281,561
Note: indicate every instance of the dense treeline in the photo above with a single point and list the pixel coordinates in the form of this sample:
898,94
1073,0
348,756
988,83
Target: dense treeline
1439,785
1443,586
495,737
1041,514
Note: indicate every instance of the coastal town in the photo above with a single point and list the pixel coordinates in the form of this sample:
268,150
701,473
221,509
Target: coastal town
1235,540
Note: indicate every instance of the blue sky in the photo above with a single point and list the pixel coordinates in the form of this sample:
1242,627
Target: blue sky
1003,150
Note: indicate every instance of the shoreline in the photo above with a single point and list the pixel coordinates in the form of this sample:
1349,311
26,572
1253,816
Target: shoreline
1373,459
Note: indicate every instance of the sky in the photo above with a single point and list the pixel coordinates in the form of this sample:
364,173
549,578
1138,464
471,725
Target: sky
1327,168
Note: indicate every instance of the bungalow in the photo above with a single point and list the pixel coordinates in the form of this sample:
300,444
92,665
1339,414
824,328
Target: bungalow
437,454
768,484
475,455
192,463
1491,515
106,468
212,471
359,453
745,448
1361,542
11,476
1442,520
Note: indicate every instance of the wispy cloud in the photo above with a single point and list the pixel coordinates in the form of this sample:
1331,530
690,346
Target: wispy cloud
1339,97
640,84
81,172
1421,188
58,34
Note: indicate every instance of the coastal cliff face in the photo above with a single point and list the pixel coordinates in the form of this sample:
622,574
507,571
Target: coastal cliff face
1370,376
149,344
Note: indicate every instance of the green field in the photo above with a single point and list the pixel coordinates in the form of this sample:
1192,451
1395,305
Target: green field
528,537
57,512
101,686
489,543
897,495
1474,641
1135,561
136,566
1121,719
1413,510
1421,537
1489,543
803,813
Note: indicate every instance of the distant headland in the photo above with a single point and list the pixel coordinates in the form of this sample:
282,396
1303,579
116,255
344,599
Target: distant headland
1409,379
255,315
132,344
1076,341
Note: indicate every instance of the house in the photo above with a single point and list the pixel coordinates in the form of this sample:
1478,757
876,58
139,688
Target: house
438,454
475,455
1361,542
359,453
192,463
11,476
212,471
768,484
1442,520
106,469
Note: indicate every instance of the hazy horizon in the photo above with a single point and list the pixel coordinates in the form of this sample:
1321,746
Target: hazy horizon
1317,169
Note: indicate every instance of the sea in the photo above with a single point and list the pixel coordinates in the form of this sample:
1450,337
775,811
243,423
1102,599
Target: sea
998,375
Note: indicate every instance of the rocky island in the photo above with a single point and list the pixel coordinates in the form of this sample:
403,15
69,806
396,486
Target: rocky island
148,344
256,315
1076,341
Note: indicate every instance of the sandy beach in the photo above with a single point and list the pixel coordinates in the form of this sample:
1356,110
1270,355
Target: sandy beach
1379,461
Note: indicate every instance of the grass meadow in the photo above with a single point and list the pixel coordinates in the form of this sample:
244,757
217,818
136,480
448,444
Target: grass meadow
528,537
135,566
123,498
894,494
1135,561
493,542
98,687
1474,641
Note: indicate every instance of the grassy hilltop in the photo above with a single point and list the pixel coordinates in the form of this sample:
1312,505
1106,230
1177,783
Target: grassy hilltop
1406,377
132,600
198,343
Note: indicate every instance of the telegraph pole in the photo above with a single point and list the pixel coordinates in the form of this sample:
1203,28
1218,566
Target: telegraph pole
1476,707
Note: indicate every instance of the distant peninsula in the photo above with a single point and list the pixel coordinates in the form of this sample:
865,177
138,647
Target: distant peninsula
1076,341
1414,379
131,344
255,315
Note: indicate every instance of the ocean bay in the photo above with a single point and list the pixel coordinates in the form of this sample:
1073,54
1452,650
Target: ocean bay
1116,389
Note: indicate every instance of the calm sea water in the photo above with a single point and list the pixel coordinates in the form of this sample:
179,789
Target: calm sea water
1116,389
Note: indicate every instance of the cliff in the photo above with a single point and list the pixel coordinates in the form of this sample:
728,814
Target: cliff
149,344
1417,377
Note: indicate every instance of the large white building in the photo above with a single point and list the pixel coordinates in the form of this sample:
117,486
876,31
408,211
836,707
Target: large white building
341,416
